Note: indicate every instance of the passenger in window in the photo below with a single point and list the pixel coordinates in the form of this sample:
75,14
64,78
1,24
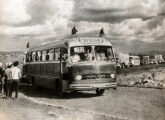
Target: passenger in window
57,56
98,56
109,54
38,54
88,56
47,55
51,55
31,58
102,56
41,56
27,58
75,58
36,57
44,55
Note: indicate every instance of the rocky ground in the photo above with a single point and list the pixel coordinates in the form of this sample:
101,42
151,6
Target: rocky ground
152,78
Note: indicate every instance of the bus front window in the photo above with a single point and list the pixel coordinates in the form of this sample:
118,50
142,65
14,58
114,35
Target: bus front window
81,54
104,53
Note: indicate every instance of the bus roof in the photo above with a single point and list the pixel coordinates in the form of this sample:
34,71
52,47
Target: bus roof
89,41
133,56
47,46
75,41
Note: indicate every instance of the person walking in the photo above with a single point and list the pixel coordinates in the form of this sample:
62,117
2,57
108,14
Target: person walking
8,79
15,76
3,77
1,69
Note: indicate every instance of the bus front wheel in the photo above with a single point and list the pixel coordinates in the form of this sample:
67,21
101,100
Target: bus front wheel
100,91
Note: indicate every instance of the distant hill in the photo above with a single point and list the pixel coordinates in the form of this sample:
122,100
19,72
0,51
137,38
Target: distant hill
10,56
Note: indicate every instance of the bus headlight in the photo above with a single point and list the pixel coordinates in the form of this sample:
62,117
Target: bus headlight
78,77
113,76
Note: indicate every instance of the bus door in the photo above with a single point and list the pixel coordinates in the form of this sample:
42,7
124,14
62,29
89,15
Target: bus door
63,61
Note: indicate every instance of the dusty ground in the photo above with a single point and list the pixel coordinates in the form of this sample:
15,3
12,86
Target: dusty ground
125,103
121,104
150,78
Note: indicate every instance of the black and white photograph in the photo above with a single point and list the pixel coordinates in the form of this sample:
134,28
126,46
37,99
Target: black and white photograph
82,59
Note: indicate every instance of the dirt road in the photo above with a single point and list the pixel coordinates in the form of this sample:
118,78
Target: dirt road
121,104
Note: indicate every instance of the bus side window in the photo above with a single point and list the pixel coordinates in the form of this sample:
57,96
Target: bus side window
30,57
47,55
44,55
27,57
41,56
64,53
33,56
36,57
57,54
51,54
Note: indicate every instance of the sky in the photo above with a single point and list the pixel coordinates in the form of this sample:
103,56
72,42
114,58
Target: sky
132,25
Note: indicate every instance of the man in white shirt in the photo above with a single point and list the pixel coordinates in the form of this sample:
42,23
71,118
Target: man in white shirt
15,75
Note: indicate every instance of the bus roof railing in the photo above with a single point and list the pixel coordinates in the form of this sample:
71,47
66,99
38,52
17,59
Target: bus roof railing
60,43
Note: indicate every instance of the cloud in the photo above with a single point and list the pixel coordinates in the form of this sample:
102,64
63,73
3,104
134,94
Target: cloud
46,10
114,11
129,22
13,12
109,16
162,8
27,30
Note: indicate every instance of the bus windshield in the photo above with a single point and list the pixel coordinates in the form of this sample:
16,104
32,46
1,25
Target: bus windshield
91,53
104,53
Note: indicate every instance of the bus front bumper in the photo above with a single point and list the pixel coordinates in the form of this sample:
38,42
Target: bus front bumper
93,86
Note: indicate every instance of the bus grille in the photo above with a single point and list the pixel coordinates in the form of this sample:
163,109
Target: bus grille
95,76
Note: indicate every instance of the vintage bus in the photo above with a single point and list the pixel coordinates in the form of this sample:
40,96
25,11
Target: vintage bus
75,64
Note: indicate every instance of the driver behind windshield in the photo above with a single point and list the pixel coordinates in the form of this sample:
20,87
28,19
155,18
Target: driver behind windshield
88,56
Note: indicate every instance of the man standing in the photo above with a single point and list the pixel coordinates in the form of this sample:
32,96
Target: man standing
3,77
15,76
8,79
1,69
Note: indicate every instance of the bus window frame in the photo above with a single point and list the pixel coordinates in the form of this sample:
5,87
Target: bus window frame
57,59
69,52
64,51
54,51
51,53
93,50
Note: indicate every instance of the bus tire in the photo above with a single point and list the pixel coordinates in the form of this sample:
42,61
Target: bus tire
60,91
100,91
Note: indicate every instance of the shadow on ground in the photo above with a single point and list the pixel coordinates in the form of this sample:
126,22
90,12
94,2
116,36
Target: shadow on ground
28,90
